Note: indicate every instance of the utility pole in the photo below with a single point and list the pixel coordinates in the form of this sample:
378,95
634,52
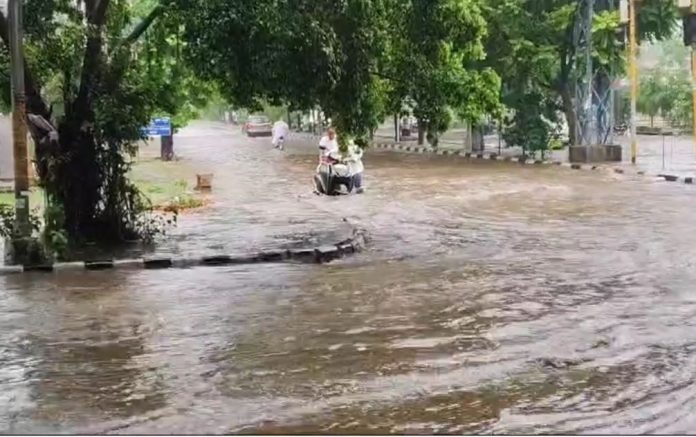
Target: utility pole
693,80
688,9
633,75
19,127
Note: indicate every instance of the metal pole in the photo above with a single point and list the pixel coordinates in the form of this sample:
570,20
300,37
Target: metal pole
663,152
693,81
19,128
633,73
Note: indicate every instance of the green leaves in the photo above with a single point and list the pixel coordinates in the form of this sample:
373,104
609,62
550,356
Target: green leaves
435,53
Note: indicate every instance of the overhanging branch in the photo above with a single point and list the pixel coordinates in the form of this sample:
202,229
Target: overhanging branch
143,25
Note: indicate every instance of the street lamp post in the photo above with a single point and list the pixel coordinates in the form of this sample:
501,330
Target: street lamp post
688,9
633,72
628,16
19,128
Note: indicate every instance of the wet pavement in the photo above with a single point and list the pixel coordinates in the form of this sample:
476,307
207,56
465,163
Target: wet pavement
494,299
656,154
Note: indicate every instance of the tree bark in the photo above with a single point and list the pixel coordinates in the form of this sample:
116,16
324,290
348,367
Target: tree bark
477,143
569,112
421,132
167,147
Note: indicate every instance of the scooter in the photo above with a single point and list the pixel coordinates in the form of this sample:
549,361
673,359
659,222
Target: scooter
280,144
333,179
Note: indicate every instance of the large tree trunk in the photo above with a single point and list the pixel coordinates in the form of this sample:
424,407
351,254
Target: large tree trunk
167,147
421,132
477,140
569,111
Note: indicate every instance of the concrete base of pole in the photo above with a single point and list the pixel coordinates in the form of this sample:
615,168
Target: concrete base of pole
595,153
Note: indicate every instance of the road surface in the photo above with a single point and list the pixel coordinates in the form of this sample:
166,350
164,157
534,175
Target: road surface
494,299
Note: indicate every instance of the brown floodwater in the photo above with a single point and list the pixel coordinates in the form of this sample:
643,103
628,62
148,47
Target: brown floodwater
493,299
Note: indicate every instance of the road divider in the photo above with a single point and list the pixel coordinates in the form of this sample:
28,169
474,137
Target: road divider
315,255
527,161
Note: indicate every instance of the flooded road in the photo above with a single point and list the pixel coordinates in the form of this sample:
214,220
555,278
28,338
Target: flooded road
493,299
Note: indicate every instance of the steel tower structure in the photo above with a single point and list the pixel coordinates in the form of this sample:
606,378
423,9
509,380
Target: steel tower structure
594,97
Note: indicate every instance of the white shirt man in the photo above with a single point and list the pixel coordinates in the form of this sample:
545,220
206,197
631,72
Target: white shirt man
328,146
281,130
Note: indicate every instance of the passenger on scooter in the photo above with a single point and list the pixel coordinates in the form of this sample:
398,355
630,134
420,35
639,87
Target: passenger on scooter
355,166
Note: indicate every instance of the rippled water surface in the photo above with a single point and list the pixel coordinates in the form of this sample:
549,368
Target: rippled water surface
493,298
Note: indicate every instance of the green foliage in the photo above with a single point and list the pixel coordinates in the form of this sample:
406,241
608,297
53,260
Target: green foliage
666,89
47,233
435,55
537,62
102,84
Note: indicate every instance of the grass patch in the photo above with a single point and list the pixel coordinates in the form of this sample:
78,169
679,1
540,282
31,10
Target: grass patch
166,184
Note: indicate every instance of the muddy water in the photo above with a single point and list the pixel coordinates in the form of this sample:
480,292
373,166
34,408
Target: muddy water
494,299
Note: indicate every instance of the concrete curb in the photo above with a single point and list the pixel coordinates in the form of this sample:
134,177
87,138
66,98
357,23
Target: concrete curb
531,162
316,255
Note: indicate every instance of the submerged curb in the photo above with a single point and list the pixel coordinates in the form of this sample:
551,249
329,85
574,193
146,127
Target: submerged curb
532,162
315,255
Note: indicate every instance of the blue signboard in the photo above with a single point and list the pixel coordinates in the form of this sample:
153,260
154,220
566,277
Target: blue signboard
159,127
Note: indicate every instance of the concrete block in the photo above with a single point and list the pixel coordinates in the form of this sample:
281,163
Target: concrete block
99,265
204,182
69,266
128,264
10,270
576,166
271,256
669,177
46,268
216,260
595,153
184,263
688,180
345,248
303,255
158,263
327,253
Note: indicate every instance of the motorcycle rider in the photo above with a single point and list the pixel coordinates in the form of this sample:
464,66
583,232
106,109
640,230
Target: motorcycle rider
328,148
280,131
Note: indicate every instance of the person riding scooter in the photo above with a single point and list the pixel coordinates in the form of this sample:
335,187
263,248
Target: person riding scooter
280,133
331,173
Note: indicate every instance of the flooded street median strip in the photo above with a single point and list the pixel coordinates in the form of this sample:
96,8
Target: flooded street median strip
323,254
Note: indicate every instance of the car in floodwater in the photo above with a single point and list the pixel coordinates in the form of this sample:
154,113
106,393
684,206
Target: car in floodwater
258,126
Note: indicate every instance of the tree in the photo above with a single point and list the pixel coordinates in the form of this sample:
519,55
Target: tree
297,53
434,59
539,61
89,76
651,96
